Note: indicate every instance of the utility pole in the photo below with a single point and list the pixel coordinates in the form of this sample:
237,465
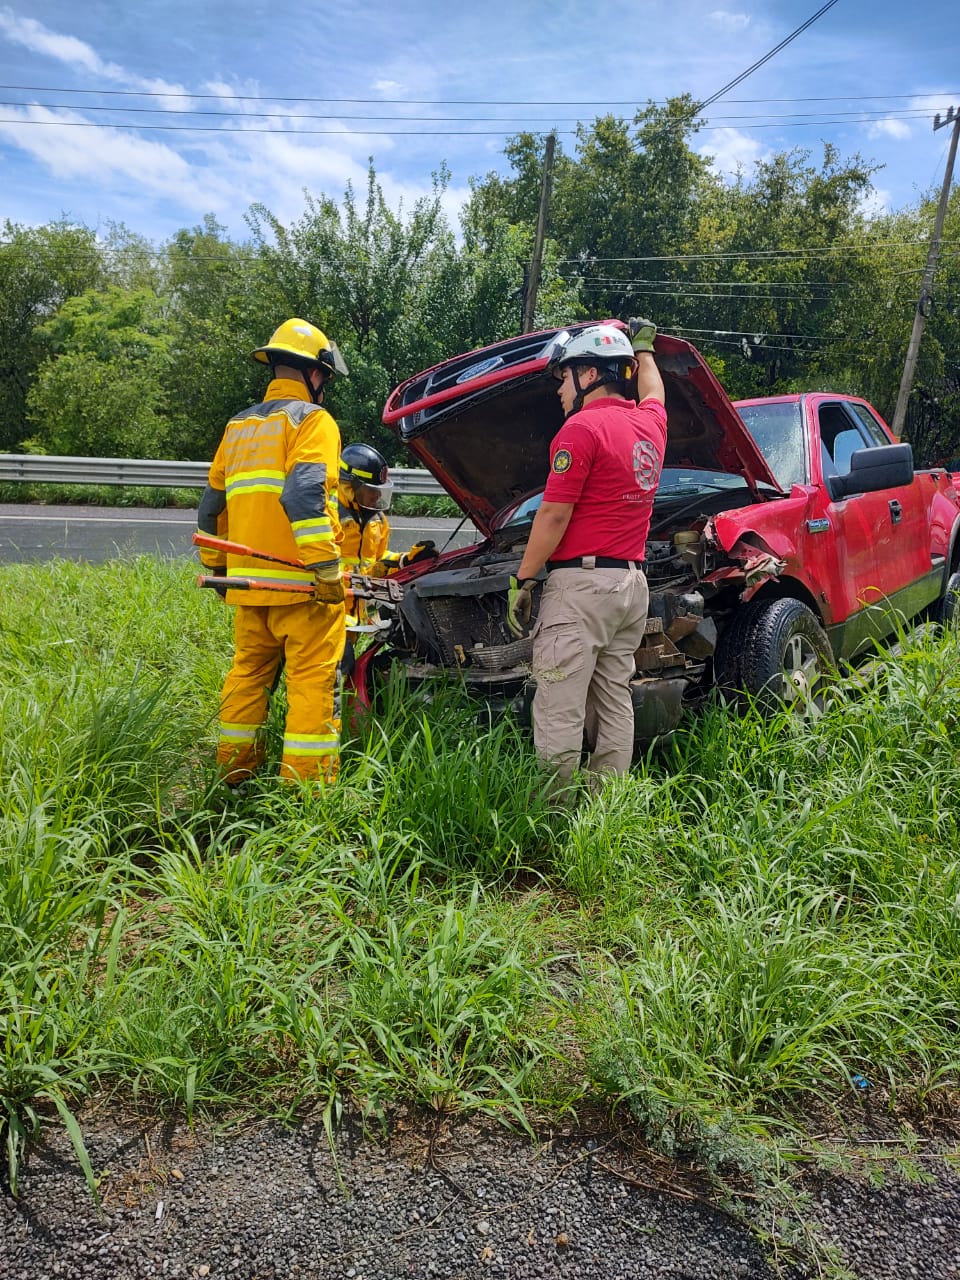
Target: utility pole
533,280
923,305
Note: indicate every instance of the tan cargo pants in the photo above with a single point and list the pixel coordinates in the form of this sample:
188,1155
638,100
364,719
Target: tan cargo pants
590,624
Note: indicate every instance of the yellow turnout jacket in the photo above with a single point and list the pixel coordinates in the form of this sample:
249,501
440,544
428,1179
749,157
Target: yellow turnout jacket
273,487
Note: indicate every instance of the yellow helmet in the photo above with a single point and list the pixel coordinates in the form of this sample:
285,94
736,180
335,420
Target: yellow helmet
306,344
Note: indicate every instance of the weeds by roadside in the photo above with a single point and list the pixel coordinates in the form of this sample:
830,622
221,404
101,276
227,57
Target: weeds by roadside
764,916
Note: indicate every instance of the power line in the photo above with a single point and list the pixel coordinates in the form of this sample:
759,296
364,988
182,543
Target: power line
761,346
441,102
695,289
303,133
746,284
759,254
361,132
752,333
732,84
908,113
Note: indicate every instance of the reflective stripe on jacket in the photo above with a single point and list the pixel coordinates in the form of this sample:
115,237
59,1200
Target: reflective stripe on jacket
273,486
365,549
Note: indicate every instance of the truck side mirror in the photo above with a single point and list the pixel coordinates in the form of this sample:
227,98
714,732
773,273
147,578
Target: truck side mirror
887,466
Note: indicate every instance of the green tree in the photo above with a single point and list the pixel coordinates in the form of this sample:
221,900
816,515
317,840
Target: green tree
787,236
633,193
40,267
129,259
366,276
101,391
515,200
221,305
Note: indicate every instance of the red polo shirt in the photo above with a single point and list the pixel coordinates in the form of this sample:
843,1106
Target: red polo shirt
606,460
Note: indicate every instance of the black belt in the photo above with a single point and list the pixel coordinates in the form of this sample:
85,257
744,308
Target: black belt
593,562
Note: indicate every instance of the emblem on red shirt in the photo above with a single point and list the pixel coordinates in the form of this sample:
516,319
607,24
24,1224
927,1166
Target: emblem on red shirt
562,461
646,464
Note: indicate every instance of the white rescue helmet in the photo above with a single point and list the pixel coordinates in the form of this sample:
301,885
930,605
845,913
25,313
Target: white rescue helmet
603,347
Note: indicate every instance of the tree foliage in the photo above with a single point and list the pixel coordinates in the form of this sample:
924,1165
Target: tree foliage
40,268
780,276
102,391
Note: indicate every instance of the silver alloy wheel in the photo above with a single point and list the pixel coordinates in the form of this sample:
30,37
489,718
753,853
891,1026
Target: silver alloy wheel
802,675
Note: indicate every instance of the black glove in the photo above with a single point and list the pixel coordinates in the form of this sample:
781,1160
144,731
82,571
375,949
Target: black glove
426,550
220,571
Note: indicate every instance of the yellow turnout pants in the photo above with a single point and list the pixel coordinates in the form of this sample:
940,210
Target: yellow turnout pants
309,639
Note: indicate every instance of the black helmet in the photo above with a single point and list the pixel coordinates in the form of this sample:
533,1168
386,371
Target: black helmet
365,470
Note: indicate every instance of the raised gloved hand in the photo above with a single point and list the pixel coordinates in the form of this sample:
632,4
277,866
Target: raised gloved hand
328,588
426,550
642,333
520,605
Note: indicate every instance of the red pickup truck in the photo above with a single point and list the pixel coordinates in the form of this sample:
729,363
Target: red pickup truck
788,533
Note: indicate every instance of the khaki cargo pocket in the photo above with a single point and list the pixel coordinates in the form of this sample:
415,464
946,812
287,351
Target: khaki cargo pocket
557,653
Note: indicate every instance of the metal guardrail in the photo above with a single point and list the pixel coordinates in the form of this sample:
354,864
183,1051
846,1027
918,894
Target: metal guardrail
145,471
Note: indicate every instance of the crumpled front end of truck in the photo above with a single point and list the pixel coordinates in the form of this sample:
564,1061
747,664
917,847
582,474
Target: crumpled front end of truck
452,622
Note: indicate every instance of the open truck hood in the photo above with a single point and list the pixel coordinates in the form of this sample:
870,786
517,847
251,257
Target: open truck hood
482,423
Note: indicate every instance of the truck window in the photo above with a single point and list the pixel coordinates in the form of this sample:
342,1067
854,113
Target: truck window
841,435
777,429
870,424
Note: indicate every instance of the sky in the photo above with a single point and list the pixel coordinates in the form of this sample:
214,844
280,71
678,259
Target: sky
157,113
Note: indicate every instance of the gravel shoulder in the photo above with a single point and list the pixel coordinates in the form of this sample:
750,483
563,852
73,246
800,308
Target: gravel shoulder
261,1201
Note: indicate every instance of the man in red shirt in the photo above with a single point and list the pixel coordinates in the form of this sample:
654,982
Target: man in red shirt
590,532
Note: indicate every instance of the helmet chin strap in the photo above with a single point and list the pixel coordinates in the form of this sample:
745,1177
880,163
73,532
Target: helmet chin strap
602,378
581,391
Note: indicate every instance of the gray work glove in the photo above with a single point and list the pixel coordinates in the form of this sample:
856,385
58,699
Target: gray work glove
642,333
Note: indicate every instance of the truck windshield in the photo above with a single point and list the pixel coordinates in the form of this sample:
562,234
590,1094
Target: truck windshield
777,428
675,482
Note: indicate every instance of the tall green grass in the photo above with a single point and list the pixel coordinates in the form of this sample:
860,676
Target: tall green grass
762,916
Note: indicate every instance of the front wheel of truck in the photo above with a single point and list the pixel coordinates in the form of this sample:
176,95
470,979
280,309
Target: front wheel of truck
781,656
946,612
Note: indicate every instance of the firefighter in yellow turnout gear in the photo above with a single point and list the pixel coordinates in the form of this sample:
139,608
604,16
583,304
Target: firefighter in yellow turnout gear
364,494
273,485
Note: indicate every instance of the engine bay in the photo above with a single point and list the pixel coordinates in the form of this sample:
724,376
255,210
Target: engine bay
454,618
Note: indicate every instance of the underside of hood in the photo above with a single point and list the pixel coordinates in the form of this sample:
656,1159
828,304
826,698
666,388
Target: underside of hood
482,423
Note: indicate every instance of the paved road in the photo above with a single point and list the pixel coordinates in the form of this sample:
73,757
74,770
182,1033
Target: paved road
33,534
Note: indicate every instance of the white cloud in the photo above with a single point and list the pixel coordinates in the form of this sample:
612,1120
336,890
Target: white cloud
877,201
99,155
731,150
386,87
729,21
889,128
37,38
931,103
33,35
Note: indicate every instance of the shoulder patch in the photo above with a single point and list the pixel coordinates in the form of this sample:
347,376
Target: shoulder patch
562,461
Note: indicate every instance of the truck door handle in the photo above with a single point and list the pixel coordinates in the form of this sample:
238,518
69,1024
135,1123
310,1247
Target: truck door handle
896,511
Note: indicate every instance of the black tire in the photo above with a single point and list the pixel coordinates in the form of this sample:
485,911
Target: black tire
946,612
727,672
779,654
